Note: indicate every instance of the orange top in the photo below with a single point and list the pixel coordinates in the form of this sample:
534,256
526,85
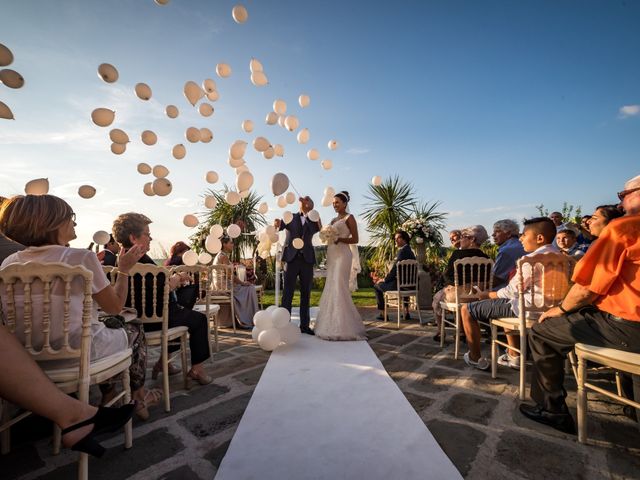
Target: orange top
611,268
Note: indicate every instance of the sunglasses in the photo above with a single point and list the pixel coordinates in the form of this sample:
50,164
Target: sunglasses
624,193
73,217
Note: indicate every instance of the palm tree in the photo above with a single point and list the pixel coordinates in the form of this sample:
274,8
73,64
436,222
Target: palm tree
245,214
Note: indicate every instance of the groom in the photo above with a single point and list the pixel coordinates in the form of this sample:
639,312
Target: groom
299,262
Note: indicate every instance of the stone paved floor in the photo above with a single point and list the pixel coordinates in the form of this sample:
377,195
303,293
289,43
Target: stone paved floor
473,417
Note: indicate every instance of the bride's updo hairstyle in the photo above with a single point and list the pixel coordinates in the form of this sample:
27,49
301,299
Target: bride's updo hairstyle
343,195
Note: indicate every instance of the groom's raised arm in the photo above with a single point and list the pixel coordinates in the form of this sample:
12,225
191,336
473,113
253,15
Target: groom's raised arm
279,224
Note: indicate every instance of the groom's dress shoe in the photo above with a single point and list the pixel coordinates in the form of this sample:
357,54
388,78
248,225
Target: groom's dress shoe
307,330
559,421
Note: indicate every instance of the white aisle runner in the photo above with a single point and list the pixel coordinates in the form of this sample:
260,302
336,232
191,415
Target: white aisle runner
329,410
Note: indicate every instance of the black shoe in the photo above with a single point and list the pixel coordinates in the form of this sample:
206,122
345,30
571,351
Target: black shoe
307,330
407,316
436,337
559,421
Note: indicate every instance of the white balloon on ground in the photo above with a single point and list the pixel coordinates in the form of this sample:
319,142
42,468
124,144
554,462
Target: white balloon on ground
212,244
171,111
263,208
261,144
313,154
209,85
269,153
205,109
190,221
279,183
297,243
290,197
271,308
190,258
303,136
193,92
211,177
269,339
101,237
326,164
160,171
118,148
278,149
262,320
223,70
5,112
254,333
148,137
244,181
239,14
206,135
148,189
204,258
232,198
216,230
192,134
291,122
287,217
280,317
178,151
272,118
237,149
282,201
143,91
280,107
333,144
6,57
103,117
304,100
376,181
86,191
210,201
313,215
162,187
144,168
233,231
247,126
118,136
290,333
108,72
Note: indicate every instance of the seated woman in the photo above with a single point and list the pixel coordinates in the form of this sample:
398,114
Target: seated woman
601,218
175,254
187,294
45,224
244,293
470,240
131,230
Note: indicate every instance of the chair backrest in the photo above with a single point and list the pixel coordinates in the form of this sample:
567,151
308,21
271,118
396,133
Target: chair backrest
49,307
198,275
221,279
543,281
149,293
111,273
407,274
472,271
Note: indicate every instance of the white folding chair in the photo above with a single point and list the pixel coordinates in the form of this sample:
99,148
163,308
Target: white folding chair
221,286
407,287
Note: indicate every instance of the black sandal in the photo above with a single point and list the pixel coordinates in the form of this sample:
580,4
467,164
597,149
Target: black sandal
107,419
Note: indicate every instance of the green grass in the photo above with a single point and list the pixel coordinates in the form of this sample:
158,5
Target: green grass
363,297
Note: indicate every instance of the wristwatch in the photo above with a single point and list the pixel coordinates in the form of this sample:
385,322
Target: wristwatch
562,309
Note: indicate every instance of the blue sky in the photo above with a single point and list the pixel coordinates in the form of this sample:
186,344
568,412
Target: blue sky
490,107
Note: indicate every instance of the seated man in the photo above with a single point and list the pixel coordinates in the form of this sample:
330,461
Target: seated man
390,282
567,240
602,308
536,238
505,235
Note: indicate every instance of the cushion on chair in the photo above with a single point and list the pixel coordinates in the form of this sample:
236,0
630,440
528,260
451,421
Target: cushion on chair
70,374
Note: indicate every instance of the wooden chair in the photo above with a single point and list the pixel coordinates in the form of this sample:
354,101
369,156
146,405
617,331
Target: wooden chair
41,294
259,294
111,273
467,273
221,286
407,287
143,282
547,285
608,357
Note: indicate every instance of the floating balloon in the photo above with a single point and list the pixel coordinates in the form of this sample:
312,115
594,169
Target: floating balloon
39,186
326,164
244,181
278,150
329,191
86,191
143,91
232,198
162,187
279,183
209,85
223,70
264,255
297,243
6,57
148,189
290,197
268,153
247,126
240,169
280,107
255,65
233,231
239,14
101,237
287,217
5,111
281,119
244,193
304,100
261,144
313,154
160,171
376,181
205,109
190,258
178,151
235,162
291,122
118,148
327,200
192,134
280,317
210,201
204,258
118,136
216,230
303,136
269,339
192,92
237,150
108,73
282,201
333,144
211,177
103,117
149,138
213,96
162,2
263,208
206,135
171,111
313,215
272,118
144,169
259,79
213,244
290,333
190,221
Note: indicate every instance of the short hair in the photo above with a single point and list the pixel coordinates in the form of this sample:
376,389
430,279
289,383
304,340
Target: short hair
509,226
610,212
404,235
569,231
225,239
34,220
111,240
541,226
130,223
456,231
632,183
553,213
478,232
178,248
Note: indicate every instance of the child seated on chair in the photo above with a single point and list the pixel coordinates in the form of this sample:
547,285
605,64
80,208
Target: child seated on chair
536,238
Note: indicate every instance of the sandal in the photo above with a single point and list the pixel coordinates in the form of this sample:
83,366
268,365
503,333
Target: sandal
151,398
157,370
202,378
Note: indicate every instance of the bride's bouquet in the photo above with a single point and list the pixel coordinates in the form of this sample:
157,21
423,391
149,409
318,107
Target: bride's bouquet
328,235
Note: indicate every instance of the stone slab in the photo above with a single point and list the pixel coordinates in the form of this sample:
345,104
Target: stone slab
471,407
460,442
216,419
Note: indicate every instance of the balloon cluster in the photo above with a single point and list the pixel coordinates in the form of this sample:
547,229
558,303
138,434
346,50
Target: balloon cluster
273,327
9,78
266,238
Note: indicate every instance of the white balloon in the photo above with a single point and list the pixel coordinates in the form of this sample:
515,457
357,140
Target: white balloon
144,168
193,92
232,198
213,244
255,332
290,333
160,171
255,65
242,168
376,180
178,151
303,136
6,57
239,14
326,164
280,317
213,96
244,181
259,79
210,201
274,238
216,230
287,217
190,221
103,117
143,91
171,111
5,112
291,122
233,231
327,200
206,135
329,191
148,137
297,243
263,208
279,183
209,85
223,70
282,201
205,109
261,144
263,321
86,191
192,134
304,100
278,150
118,148
204,258
280,107
101,237
313,154
269,153
269,339
272,118
148,189
162,187
247,126
190,258
118,136
333,144
108,73
281,120
237,150
162,2
235,162
245,193
11,78
313,215
264,255
211,177
290,197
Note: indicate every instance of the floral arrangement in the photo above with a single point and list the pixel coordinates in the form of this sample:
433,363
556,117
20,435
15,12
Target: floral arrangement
420,230
328,234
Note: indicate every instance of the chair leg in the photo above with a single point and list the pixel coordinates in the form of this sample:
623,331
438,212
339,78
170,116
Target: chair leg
442,317
523,363
165,374
494,351
385,309
128,427
83,467
398,309
456,348
233,315
582,400
57,439
183,356
636,391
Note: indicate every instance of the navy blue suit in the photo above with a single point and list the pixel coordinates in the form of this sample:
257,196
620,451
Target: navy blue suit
391,280
299,264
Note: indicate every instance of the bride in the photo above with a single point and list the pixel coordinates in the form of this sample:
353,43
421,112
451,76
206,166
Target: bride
338,318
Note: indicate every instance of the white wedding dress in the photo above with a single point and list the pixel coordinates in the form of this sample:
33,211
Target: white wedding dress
338,318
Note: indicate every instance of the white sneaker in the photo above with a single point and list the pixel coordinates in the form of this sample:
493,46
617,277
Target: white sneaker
507,360
481,364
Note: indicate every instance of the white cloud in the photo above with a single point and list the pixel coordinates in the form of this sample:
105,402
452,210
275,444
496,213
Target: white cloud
629,111
502,208
179,202
358,151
